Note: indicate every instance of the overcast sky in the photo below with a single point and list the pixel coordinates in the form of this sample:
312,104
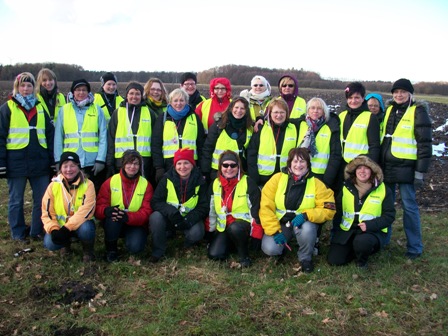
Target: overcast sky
346,40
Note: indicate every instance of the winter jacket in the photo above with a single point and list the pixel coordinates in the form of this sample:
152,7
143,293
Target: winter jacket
137,218
108,106
324,202
402,170
84,212
156,109
33,160
51,104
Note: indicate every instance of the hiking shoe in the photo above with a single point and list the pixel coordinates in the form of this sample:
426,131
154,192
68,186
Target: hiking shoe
65,252
39,237
154,259
88,257
412,256
246,262
307,266
362,265
111,256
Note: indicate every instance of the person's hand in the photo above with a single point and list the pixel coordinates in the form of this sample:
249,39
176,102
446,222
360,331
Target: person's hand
61,236
280,238
159,174
2,172
298,220
418,180
97,168
183,225
362,226
258,125
111,211
122,217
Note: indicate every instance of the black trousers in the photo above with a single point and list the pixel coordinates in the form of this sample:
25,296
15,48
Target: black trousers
359,246
235,236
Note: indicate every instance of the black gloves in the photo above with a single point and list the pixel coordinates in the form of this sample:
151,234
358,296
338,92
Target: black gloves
418,180
117,215
61,236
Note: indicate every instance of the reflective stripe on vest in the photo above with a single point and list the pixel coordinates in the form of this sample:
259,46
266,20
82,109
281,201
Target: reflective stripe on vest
225,142
124,139
241,204
319,162
172,199
356,142
98,99
370,209
171,138
19,128
404,145
60,194
88,136
116,193
298,109
308,201
267,152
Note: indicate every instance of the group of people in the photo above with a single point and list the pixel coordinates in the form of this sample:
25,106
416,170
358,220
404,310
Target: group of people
242,171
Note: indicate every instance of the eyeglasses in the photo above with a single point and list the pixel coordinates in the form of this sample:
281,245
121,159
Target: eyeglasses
288,85
231,165
155,90
258,85
189,84
220,89
373,106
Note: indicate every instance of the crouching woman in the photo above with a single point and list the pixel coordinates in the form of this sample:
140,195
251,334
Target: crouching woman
68,207
367,208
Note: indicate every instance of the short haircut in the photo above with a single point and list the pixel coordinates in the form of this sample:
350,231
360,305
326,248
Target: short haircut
178,93
322,104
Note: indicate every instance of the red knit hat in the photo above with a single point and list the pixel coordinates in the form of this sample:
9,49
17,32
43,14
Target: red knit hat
185,153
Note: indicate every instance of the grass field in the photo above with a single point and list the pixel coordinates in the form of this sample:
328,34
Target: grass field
188,294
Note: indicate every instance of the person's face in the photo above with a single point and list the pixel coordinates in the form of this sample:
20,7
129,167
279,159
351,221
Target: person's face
69,170
110,87
189,86
156,91
80,93
258,86
400,96
178,103
287,87
220,90
184,168
134,97
278,115
238,110
26,88
229,169
355,100
299,166
363,173
374,105
48,83
132,168
315,110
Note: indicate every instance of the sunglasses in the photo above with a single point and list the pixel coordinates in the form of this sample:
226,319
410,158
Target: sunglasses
231,165
288,85
258,85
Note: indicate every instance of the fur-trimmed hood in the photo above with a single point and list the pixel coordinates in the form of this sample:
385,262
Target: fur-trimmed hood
363,160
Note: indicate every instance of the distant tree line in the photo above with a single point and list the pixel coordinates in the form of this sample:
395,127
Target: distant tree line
237,74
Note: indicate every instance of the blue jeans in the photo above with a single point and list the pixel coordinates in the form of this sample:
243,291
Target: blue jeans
16,217
135,237
411,217
85,233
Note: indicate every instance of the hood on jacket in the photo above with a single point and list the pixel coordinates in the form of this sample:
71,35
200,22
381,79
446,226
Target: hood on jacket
220,80
363,160
296,84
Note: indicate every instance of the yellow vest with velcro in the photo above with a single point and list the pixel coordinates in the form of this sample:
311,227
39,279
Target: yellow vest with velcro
319,162
241,204
257,110
267,152
124,138
298,108
60,101
100,101
225,142
308,201
172,199
371,208
19,128
63,214
116,193
404,145
88,136
356,142
171,138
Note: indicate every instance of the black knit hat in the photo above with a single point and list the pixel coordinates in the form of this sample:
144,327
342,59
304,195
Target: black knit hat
107,77
79,82
134,85
404,84
69,156
186,76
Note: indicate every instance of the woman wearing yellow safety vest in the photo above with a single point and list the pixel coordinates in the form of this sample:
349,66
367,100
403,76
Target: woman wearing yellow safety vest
234,207
176,128
68,207
123,204
295,203
179,203
366,209
26,154
108,98
156,96
48,95
258,96
232,131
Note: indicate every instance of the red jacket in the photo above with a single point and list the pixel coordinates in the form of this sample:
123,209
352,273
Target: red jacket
138,218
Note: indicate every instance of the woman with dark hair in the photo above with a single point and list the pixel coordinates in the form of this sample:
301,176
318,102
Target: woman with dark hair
234,206
366,206
108,98
232,132
295,203
123,204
